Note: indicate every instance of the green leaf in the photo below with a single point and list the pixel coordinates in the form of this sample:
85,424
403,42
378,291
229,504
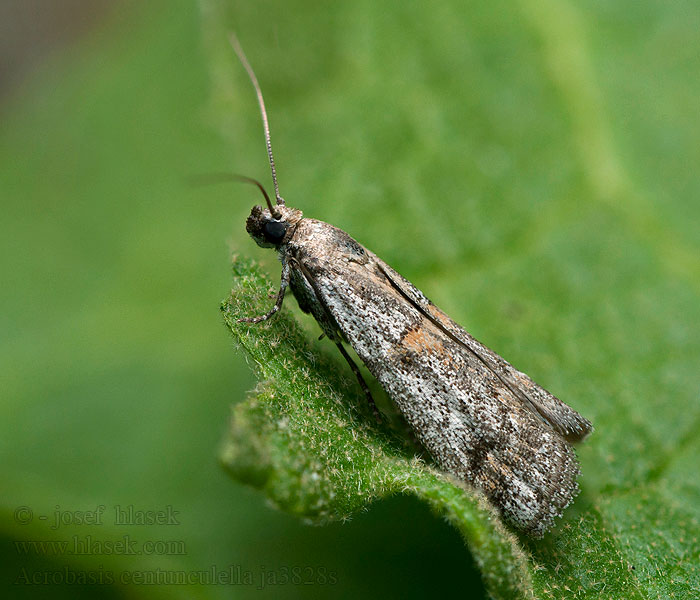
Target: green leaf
307,441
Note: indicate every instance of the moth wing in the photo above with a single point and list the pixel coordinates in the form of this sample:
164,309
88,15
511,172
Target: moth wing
471,422
564,419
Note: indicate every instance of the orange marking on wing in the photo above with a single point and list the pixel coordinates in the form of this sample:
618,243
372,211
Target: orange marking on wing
421,340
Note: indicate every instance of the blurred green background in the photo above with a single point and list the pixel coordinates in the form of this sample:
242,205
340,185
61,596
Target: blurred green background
531,168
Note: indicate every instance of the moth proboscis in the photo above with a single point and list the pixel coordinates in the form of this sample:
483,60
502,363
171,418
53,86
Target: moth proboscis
482,421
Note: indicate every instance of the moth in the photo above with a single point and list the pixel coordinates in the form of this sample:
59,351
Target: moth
483,422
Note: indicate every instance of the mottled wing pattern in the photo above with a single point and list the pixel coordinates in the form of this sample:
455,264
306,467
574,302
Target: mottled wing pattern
564,419
462,401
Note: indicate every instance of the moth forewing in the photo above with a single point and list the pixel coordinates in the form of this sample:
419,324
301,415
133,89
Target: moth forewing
561,417
471,422
483,421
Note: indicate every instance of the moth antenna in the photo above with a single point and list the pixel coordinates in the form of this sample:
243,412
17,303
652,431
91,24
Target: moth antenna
254,80
209,178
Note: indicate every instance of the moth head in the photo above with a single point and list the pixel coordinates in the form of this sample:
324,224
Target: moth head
272,230
272,226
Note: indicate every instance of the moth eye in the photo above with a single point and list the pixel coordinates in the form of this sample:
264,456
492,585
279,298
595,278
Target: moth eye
274,231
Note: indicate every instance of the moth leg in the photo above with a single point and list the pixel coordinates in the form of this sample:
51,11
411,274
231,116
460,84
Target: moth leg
361,380
280,298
